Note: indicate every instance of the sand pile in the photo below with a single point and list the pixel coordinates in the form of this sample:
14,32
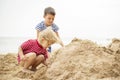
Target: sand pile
79,60
85,60
8,66
115,45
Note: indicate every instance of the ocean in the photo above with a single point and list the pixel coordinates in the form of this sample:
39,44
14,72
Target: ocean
11,44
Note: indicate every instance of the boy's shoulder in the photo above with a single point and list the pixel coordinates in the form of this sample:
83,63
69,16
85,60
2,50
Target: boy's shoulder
42,23
54,25
30,41
41,26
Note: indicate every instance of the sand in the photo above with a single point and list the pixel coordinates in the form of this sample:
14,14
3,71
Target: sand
79,60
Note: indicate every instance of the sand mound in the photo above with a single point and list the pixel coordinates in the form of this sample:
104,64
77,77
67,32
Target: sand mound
8,65
79,60
115,45
83,60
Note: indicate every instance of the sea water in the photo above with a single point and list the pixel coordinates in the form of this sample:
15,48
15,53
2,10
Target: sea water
11,44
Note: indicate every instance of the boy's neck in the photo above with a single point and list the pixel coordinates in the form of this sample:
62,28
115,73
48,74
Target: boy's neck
46,25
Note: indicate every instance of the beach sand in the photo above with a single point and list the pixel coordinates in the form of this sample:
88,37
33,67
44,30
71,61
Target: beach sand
79,60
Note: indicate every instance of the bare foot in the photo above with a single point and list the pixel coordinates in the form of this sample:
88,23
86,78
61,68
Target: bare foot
27,71
33,69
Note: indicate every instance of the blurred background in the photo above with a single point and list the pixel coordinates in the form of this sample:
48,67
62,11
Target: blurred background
96,20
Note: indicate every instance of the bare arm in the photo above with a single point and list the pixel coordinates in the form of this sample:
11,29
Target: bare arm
60,39
37,33
57,34
20,52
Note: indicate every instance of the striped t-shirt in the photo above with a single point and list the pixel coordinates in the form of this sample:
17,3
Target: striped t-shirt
41,26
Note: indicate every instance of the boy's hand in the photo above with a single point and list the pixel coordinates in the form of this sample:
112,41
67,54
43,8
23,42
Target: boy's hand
61,43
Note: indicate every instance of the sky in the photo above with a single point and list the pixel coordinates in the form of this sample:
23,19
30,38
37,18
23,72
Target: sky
76,18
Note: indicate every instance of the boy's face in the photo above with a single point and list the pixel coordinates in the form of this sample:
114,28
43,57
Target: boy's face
49,18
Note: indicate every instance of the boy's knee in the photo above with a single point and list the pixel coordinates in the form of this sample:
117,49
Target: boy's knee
31,55
41,57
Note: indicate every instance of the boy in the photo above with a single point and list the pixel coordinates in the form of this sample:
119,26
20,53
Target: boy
49,15
33,52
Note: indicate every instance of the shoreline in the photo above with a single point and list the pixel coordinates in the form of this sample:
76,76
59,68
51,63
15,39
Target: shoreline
81,59
10,44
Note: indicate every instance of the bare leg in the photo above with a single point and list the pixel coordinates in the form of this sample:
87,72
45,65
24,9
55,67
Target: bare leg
30,59
39,59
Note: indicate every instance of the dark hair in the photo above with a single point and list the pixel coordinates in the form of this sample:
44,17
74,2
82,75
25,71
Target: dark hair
49,10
